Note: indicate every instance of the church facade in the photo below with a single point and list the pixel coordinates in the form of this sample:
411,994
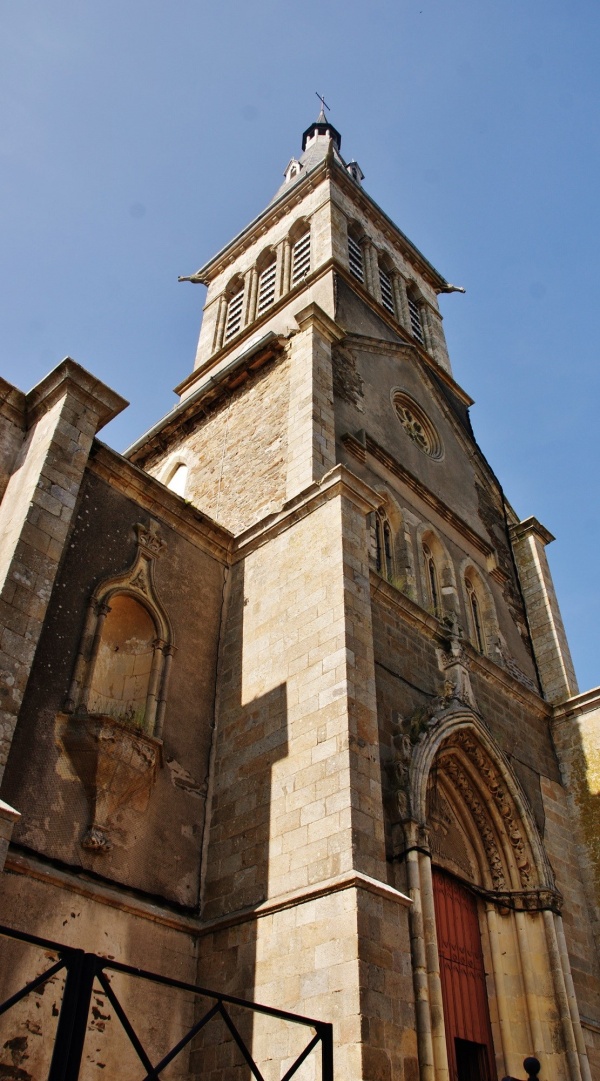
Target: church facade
288,709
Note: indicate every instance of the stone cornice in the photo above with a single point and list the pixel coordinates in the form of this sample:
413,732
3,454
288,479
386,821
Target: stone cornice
19,863
70,377
352,880
13,404
378,345
578,705
159,500
531,527
360,451
339,481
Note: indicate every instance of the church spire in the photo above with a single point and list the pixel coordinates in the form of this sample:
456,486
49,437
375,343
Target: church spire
321,127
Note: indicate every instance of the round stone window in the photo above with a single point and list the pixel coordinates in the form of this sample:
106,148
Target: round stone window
416,424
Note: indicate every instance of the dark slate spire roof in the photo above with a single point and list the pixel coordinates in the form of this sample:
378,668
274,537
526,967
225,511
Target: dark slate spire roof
322,126
316,151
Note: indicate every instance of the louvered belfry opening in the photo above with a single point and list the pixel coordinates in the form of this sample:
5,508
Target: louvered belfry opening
462,971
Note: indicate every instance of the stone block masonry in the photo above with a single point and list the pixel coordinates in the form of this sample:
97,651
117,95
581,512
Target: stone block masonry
63,414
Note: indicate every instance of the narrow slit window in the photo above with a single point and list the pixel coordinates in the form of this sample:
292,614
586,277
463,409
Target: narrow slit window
475,617
387,293
266,287
415,320
433,587
355,259
234,314
383,547
301,258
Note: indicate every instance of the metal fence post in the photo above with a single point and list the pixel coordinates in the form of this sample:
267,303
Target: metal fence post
326,1032
72,1021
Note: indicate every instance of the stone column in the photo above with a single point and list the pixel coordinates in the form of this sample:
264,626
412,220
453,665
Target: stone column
63,412
220,322
311,434
401,300
545,622
284,263
250,294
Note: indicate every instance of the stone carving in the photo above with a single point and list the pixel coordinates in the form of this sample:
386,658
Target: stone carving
149,538
454,770
502,799
117,766
454,664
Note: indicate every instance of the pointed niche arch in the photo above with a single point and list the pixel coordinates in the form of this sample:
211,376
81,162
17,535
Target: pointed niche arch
123,665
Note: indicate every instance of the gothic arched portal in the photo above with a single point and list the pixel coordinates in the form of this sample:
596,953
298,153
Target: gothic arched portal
484,908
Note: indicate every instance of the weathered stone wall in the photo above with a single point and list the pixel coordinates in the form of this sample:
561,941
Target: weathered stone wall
75,917
237,455
64,412
340,956
156,849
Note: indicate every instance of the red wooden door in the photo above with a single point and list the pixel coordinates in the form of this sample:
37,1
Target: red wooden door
464,993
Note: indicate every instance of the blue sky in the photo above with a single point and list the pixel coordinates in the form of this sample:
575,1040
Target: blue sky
137,138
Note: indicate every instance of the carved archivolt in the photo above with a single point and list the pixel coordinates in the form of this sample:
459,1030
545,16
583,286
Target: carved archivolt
503,802
454,744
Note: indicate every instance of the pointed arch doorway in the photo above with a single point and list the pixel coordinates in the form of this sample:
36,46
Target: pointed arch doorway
462,972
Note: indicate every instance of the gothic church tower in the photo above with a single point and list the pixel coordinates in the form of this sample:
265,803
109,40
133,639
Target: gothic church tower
384,765
303,726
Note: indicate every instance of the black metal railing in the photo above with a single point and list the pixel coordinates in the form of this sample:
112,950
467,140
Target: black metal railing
83,969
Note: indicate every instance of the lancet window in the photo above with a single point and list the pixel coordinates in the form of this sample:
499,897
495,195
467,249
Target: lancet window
387,290
355,256
432,582
384,557
301,258
266,286
416,321
235,306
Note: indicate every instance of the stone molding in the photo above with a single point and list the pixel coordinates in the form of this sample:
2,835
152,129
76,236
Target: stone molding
70,378
337,482
314,316
156,498
459,729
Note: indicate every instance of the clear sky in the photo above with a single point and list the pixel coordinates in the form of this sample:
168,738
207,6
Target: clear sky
137,138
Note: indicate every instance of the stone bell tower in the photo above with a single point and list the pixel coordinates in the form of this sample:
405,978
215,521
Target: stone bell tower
383,759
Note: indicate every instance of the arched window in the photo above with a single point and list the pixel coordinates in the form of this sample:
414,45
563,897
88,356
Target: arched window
482,622
177,481
301,257
432,582
416,315
266,285
386,285
355,254
233,321
475,616
384,557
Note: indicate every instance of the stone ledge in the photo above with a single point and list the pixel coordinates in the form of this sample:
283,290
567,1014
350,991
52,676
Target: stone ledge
69,376
348,881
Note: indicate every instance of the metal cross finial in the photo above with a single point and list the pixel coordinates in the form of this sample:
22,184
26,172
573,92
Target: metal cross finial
324,104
